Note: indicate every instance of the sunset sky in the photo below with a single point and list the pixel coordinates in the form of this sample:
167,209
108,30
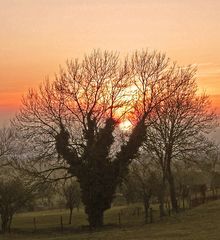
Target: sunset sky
38,36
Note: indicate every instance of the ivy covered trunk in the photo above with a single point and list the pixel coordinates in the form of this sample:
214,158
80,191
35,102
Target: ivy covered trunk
97,172
98,184
96,202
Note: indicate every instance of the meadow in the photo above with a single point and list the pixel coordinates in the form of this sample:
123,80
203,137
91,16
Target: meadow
200,223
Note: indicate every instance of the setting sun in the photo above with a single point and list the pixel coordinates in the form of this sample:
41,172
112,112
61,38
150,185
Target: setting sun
125,125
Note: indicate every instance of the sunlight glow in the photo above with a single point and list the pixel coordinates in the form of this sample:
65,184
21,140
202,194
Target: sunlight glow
125,125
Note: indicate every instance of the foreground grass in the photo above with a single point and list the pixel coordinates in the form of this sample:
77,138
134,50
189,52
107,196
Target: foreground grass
200,223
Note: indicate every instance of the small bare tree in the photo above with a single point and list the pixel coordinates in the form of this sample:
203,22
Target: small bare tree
210,164
13,196
72,195
146,180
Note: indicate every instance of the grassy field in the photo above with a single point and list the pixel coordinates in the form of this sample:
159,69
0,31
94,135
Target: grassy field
200,223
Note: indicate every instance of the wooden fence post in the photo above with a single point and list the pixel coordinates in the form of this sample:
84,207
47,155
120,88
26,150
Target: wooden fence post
35,225
183,203
119,219
151,215
161,211
138,211
61,223
121,212
169,211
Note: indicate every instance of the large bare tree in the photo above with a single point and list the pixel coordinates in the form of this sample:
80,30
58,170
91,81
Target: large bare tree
77,115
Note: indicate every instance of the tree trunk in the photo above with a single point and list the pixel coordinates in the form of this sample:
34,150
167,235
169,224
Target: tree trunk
183,202
213,192
162,196
146,208
97,196
5,221
70,216
171,182
95,218
172,192
9,224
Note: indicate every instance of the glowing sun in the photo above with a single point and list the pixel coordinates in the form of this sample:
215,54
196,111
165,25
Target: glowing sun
125,125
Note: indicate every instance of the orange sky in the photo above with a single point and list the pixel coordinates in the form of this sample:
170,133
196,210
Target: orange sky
37,36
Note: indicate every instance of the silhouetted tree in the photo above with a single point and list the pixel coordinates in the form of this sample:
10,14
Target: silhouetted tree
13,197
129,190
178,127
146,181
209,164
78,115
72,195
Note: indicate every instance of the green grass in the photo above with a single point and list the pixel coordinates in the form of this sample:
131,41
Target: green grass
201,223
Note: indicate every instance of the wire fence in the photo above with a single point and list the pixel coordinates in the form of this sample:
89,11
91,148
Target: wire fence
116,217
